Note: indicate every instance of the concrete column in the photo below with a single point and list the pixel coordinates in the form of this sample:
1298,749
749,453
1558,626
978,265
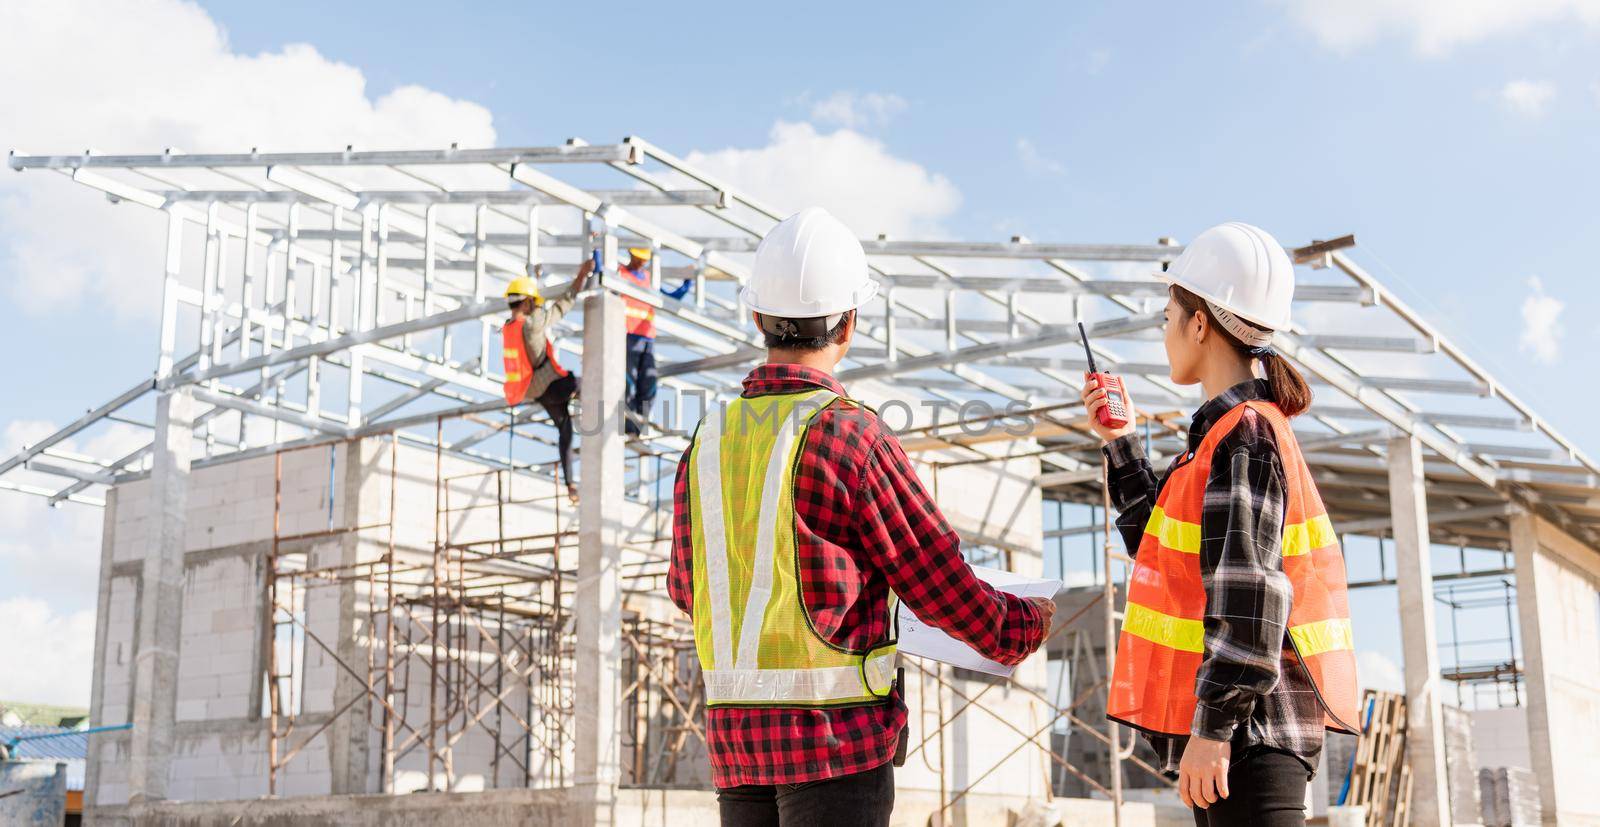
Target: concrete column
348,735
1408,506
1557,582
597,597
160,617
97,694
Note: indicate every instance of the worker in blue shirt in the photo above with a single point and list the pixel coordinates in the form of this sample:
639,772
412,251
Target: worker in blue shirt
642,336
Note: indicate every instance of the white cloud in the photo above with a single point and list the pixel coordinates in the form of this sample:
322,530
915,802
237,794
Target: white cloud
851,175
1434,26
1541,323
53,553
50,656
1529,98
1036,161
1377,671
858,110
140,75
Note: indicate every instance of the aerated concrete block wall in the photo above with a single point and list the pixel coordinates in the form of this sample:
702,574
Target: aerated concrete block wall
220,741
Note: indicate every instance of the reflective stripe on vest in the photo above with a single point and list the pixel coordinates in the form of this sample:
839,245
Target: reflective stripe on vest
1299,538
1163,632
519,370
755,644
641,317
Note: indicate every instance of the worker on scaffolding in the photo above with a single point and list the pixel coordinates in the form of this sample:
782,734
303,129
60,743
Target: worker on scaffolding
642,336
530,358
797,521
1236,650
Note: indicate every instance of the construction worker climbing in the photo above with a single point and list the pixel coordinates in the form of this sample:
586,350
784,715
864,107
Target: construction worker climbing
530,358
642,336
1236,651
797,520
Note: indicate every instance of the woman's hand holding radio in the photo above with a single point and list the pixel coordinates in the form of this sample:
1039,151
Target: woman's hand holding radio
1094,399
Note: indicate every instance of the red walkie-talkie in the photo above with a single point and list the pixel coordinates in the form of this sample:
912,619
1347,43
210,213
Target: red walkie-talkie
1113,414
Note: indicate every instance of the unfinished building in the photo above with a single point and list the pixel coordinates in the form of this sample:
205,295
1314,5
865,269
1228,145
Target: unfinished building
339,569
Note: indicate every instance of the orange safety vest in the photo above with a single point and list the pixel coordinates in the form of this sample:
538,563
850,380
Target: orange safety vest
519,368
641,316
1163,631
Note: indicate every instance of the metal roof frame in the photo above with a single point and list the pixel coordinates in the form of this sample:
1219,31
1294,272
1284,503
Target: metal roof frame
384,267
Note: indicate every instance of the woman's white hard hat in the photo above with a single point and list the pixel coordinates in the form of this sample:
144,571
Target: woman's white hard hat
808,266
1241,269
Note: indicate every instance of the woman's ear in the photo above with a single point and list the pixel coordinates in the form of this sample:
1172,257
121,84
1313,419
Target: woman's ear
1201,327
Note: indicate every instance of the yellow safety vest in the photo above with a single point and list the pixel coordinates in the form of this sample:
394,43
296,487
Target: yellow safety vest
756,645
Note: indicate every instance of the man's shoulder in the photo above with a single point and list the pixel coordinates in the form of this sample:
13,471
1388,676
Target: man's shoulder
854,421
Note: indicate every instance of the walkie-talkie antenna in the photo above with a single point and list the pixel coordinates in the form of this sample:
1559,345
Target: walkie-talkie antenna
1084,335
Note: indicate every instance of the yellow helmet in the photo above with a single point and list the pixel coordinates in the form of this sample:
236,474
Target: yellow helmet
522,286
642,253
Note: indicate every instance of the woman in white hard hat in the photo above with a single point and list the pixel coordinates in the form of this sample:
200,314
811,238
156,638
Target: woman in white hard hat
1235,653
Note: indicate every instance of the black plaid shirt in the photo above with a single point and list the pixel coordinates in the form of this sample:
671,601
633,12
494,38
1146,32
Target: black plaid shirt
1251,688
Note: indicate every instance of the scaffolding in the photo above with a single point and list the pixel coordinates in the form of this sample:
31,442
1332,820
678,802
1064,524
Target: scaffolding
1485,668
334,299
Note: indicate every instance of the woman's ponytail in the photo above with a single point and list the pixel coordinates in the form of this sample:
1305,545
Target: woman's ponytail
1289,388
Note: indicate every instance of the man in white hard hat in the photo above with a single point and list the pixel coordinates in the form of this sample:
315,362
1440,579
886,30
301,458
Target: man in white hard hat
798,519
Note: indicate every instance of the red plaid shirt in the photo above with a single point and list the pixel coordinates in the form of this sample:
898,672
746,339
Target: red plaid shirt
864,525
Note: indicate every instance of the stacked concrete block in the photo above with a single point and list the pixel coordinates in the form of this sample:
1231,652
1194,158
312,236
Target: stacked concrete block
1510,796
131,529
116,669
109,752
1461,764
218,672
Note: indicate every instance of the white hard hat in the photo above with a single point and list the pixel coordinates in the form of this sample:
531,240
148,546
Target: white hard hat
1241,270
809,266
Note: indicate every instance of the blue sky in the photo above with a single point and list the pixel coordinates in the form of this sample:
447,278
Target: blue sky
1459,146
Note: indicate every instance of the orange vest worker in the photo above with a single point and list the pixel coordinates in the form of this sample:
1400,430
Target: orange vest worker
641,316
519,369
1163,632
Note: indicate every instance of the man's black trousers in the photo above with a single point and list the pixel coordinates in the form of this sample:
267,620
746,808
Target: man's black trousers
863,799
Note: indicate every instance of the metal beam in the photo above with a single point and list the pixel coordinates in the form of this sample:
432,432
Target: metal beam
30,451
1377,526
1380,406
464,313
974,353
421,157
508,197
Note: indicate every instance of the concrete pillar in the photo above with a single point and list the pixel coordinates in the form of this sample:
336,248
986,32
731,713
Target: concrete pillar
1558,580
102,623
160,617
1408,506
349,734
597,596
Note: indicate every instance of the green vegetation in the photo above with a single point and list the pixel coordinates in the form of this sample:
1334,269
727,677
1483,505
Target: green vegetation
43,714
